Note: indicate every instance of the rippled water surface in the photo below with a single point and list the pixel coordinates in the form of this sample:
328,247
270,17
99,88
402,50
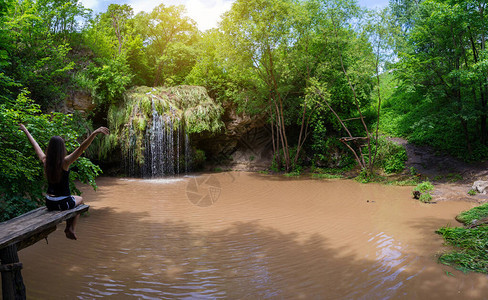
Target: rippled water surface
250,236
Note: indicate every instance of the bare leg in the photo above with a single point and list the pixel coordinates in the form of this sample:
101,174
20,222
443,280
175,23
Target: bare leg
71,223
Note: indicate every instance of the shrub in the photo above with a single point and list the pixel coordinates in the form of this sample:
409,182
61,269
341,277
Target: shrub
391,156
425,198
425,186
423,189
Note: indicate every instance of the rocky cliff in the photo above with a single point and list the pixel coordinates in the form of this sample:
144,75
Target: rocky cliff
244,144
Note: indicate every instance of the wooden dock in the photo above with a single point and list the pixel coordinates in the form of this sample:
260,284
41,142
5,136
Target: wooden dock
21,232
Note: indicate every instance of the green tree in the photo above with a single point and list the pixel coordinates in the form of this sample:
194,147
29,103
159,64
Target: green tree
266,55
38,50
120,16
112,39
169,37
62,18
208,70
259,35
442,62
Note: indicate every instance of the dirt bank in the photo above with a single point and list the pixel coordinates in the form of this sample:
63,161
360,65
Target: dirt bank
452,177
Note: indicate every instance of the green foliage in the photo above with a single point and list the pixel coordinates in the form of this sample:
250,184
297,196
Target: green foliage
454,177
85,171
326,176
391,156
330,173
106,82
292,174
278,163
365,177
425,186
471,245
15,205
36,37
198,158
476,213
407,182
425,197
170,53
200,112
472,192
328,151
22,183
264,56
413,171
441,96
396,163
209,71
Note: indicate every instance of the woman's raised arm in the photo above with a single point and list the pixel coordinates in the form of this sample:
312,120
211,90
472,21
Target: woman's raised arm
77,153
39,152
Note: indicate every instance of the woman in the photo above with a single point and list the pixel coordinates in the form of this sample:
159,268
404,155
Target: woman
56,167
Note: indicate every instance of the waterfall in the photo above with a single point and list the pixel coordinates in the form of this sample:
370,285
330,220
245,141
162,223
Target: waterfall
178,147
129,162
187,153
162,146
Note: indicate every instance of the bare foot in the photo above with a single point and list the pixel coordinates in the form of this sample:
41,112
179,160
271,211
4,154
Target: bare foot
70,234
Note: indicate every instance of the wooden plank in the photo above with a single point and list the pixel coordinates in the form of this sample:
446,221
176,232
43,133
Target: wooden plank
34,223
31,240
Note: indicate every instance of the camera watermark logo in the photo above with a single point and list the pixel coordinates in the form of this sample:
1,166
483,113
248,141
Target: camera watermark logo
203,190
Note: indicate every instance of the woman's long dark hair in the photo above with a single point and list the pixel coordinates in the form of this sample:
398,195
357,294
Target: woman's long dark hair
55,153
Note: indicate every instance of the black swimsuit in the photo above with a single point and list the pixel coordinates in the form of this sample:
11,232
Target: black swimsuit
61,198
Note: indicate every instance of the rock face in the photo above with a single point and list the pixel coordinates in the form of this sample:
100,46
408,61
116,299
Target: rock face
244,144
480,186
80,101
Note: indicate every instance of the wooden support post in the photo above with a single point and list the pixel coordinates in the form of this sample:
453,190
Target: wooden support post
21,232
12,282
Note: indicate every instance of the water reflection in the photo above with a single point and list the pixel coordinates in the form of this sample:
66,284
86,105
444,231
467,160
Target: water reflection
264,238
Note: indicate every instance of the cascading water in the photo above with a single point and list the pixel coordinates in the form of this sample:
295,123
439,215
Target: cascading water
162,147
130,161
152,126
187,153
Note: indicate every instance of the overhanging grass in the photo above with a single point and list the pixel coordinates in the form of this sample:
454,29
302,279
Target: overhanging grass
471,244
471,252
476,213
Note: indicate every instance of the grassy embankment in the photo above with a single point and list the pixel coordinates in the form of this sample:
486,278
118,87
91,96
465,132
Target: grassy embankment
470,242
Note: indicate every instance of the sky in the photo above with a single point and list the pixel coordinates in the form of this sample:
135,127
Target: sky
205,12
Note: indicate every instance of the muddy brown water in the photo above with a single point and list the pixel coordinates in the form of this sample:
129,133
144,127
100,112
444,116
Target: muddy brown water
243,235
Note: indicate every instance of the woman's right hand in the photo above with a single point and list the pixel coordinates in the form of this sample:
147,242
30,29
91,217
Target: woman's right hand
102,129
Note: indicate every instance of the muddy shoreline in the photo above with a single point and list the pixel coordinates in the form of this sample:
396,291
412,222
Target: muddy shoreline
452,177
